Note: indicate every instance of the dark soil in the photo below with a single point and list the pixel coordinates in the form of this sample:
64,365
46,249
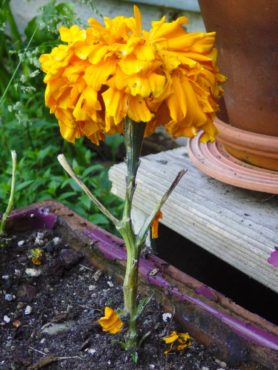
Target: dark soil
50,321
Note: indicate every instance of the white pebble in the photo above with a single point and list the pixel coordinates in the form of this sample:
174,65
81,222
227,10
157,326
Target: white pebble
42,341
6,319
221,363
28,310
9,297
17,272
110,283
167,316
5,277
32,215
33,272
204,368
20,243
97,275
56,240
91,287
152,366
92,351
39,238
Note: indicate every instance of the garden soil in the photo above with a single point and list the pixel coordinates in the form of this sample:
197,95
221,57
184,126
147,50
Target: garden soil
49,312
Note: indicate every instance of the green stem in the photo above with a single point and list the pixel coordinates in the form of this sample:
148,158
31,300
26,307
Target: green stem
11,198
134,135
64,163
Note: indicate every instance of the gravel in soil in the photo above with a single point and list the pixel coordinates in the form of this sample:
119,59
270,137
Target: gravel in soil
49,306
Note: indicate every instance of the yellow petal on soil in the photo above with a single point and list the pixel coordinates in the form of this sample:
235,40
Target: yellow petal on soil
36,256
171,338
111,321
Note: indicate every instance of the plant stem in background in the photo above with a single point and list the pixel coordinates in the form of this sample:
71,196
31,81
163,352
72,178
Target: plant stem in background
11,198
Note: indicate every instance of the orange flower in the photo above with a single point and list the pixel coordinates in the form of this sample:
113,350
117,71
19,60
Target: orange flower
155,224
107,73
111,321
177,341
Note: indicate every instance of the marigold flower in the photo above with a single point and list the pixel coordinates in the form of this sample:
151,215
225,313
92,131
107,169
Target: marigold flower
177,341
111,321
106,73
155,224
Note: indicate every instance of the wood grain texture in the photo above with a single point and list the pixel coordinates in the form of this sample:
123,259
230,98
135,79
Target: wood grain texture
236,225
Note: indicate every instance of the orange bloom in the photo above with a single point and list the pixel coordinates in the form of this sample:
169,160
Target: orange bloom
155,224
111,321
106,73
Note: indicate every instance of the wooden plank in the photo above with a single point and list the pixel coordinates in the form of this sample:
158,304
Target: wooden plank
238,226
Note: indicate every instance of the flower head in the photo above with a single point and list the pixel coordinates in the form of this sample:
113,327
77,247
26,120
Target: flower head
177,341
106,73
111,321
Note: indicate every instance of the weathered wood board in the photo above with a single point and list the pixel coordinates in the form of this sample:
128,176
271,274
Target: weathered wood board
238,226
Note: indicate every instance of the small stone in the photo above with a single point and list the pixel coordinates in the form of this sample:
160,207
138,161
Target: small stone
39,239
56,240
204,368
46,350
26,292
5,277
28,310
17,272
69,258
20,243
97,275
42,341
110,284
91,287
167,316
32,215
6,319
152,366
32,272
17,323
9,297
53,329
221,363
91,351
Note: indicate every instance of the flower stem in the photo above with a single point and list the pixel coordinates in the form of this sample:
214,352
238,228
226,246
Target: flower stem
11,198
134,135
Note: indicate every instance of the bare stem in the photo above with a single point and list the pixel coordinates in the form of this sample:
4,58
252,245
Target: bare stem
11,198
66,166
134,134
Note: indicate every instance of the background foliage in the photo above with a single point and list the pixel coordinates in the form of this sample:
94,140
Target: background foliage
27,127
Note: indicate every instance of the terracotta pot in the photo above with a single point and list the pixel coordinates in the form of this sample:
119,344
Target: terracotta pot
233,333
260,150
248,50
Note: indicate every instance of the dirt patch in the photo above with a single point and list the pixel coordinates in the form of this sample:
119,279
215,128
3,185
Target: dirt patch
49,313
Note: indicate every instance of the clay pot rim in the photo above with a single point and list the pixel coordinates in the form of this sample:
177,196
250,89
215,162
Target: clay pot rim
236,137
